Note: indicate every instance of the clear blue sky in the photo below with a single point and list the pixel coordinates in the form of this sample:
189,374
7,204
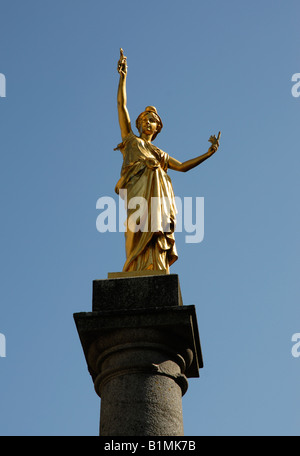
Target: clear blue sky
206,66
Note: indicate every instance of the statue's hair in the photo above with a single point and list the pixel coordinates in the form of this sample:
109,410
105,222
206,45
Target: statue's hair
153,110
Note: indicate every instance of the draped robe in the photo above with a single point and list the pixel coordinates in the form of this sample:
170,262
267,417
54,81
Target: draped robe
150,224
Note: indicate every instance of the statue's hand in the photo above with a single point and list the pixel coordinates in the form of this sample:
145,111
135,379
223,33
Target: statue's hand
122,63
214,143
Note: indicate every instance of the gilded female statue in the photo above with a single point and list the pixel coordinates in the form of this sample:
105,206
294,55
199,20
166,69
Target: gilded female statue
144,175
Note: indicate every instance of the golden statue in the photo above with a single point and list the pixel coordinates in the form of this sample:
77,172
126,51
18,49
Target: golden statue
144,177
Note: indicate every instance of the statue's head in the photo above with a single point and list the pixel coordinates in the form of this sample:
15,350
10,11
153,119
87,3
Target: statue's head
150,111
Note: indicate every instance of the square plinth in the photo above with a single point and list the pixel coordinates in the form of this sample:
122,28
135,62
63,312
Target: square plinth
132,304
136,292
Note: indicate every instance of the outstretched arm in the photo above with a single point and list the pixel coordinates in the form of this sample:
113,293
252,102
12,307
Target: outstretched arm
124,119
190,164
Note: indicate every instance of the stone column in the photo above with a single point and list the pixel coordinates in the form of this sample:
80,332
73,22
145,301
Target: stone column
140,345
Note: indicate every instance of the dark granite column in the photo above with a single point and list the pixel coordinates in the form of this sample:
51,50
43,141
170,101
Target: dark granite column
140,345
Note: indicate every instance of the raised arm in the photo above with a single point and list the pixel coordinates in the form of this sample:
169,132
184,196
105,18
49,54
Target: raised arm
124,119
190,164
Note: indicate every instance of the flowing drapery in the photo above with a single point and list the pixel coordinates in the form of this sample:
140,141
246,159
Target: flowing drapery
151,210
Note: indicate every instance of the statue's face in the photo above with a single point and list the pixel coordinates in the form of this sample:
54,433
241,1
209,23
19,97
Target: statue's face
148,124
